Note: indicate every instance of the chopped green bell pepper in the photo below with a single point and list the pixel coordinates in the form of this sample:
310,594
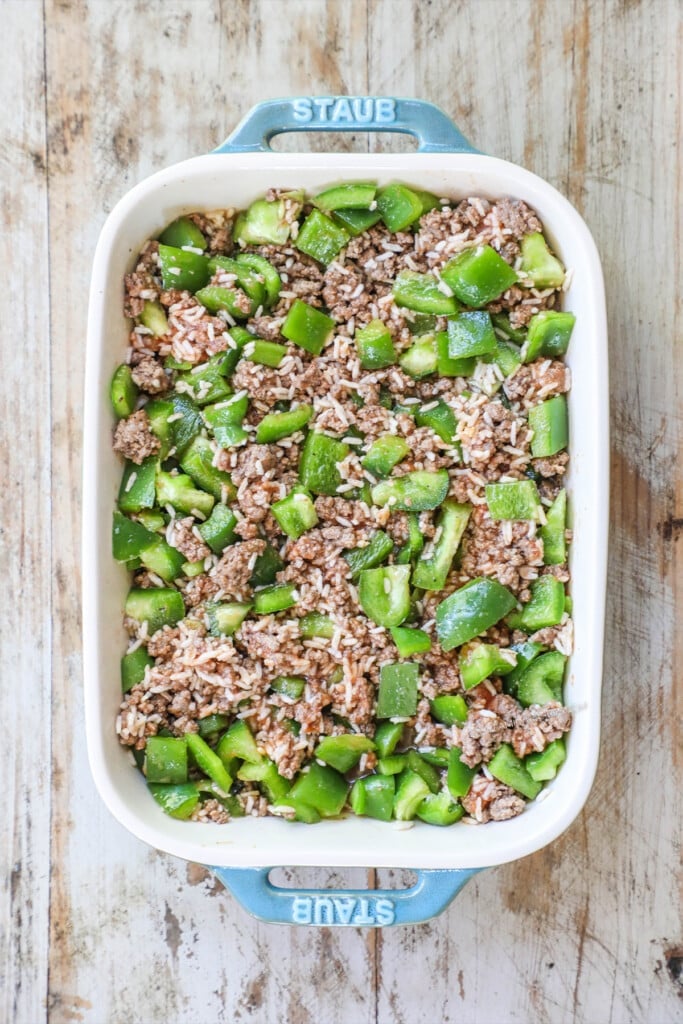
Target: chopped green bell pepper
373,797
550,428
515,499
276,425
186,271
276,598
543,767
415,542
549,334
471,610
410,641
399,206
137,490
183,232
412,790
375,551
153,317
526,652
470,334
133,667
225,618
420,359
387,737
459,776
449,708
207,380
385,453
479,661
318,470
440,809
477,276
423,293
262,268
123,392
356,195
545,608
289,686
265,353
322,788
179,492
398,690
431,571
238,742
384,594
219,529
185,421
439,417
266,567
263,223
320,237
539,264
447,366
197,462
295,513
308,327
208,761
315,624
177,801
425,770
166,759
375,346
553,532
507,768
343,752
414,492
541,682
156,606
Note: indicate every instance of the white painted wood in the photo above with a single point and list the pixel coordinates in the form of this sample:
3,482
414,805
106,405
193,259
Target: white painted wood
586,94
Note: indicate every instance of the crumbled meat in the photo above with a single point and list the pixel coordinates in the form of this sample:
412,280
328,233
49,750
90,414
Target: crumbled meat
513,557
490,800
536,727
162,643
141,286
535,382
133,438
150,376
481,735
234,569
555,465
184,538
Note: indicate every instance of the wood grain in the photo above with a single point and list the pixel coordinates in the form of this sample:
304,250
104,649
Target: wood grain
96,927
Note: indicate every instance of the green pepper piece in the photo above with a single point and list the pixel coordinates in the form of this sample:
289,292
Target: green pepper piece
543,767
412,789
207,382
166,759
260,265
507,767
449,708
375,551
501,322
414,492
385,453
553,532
224,619
420,359
515,499
526,652
397,696
308,327
425,770
137,485
186,271
238,742
153,316
440,418
393,764
545,608
343,752
550,429
177,801
479,661
387,737
275,787
295,513
321,787
251,283
352,195
448,367
471,610
267,566
133,667
212,725
410,641
276,425
128,538
158,412
373,797
541,682
356,222
470,334
152,519
440,809
432,570
289,686
186,422
438,756
538,263
265,353
263,223
320,237
222,418
156,606
399,206
208,761
477,276
549,334
318,470
428,200
192,569
179,492
423,293
384,594
459,776
275,598
123,392
415,542
315,624
183,232
219,529
216,298
375,346
197,462
160,558
507,357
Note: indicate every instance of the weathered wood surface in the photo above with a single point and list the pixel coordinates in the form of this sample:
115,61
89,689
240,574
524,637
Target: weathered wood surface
94,926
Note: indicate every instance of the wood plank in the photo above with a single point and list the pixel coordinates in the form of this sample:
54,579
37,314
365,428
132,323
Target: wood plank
588,929
203,957
25,519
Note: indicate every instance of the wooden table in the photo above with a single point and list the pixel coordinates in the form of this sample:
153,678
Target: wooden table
96,927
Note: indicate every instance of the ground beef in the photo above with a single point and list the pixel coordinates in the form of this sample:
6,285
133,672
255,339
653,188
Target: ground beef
133,438
481,735
536,727
150,376
236,566
490,800
186,540
506,550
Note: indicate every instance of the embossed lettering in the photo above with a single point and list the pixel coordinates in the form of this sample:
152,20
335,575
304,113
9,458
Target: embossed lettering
362,109
323,910
342,110
385,911
385,110
303,111
302,907
362,916
323,103
344,907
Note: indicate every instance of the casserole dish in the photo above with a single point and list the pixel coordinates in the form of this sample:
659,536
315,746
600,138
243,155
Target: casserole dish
245,850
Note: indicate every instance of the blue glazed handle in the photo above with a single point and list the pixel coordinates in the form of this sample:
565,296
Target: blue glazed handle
433,129
354,908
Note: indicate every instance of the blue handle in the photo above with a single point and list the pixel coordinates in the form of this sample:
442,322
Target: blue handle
354,908
434,131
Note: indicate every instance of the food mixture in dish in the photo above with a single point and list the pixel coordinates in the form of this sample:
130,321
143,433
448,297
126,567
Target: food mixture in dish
344,425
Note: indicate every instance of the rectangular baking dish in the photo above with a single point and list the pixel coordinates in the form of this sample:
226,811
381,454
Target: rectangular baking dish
235,174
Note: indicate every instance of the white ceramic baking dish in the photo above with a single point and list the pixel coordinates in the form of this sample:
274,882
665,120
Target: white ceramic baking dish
244,850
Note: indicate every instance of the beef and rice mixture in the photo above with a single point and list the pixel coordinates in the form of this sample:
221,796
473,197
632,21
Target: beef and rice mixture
343,508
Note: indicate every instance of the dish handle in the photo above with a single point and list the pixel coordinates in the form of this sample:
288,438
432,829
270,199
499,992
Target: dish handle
433,129
355,908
